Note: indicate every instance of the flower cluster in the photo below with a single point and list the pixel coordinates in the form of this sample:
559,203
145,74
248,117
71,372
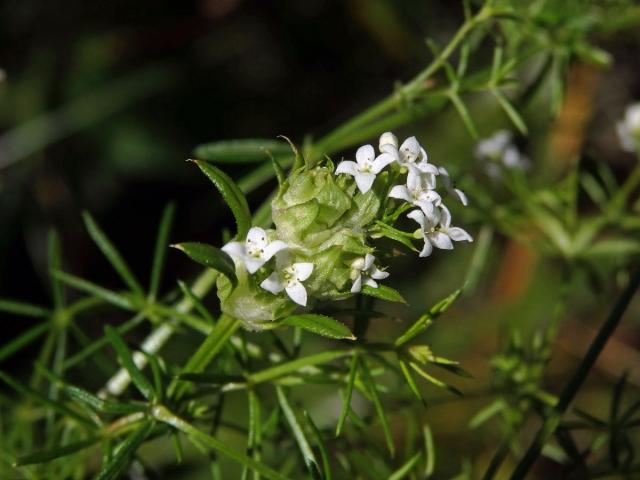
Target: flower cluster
419,190
629,128
324,219
498,152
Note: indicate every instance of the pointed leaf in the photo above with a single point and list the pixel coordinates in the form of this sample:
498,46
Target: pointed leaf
160,251
231,195
128,363
125,451
48,455
326,466
55,263
373,392
23,340
383,293
405,469
112,254
250,150
348,393
211,257
320,325
96,290
100,405
23,309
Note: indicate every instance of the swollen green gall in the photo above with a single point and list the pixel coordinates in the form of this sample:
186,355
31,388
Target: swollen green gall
329,223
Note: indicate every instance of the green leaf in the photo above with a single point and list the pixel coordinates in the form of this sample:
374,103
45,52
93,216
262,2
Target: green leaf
23,340
231,195
320,325
125,451
112,254
160,252
326,466
486,413
433,380
255,429
108,296
307,454
373,393
429,450
511,112
251,150
55,263
210,378
384,293
405,469
126,359
427,319
100,405
410,381
188,293
295,365
23,309
48,455
464,114
38,397
211,257
346,403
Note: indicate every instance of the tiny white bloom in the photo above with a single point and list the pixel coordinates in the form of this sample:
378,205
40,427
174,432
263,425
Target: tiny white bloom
289,277
418,191
499,149
629,128
363,271
449,186
256,250
366,167
409,153
388,138
438,236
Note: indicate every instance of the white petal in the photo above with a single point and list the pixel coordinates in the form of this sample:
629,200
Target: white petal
273,283
423,156
235,249
419,217
410,149
427,249
441,240
297,293
358,264
388,138
381,161
348,167
459,235
425,167
431,196
303,270
371,282
445,217
378,274
401,192
391,150
364,181
357,284
253,264
414,178
461,195
257,238
368,261
429,210
273,248
365,154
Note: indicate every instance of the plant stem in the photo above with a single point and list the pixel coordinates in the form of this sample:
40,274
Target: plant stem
553,418
156,339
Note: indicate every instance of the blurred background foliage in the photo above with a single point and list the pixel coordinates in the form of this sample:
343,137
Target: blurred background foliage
103,101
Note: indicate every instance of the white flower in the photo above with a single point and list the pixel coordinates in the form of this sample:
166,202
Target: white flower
449,186
363,271
289,277
438,236
629,128
256,250
418,191
366,167
499,149
409,153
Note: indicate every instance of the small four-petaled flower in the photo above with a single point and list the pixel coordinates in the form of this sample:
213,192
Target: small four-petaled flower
364,272
438,232
365,168
256,250
289,277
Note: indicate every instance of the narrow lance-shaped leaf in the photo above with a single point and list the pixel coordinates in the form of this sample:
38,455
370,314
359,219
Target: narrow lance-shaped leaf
250,150
373,393
160,252
348,393
307,454
512,113
125,451
326,466
405,469
231,195
23,340
102,293
211,257
23,309
425,320
320,325
383,293
429,450
112,254
126,359
55,263
52,454
100,405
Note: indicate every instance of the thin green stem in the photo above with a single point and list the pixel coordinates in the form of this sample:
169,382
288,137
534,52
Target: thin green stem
568,394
